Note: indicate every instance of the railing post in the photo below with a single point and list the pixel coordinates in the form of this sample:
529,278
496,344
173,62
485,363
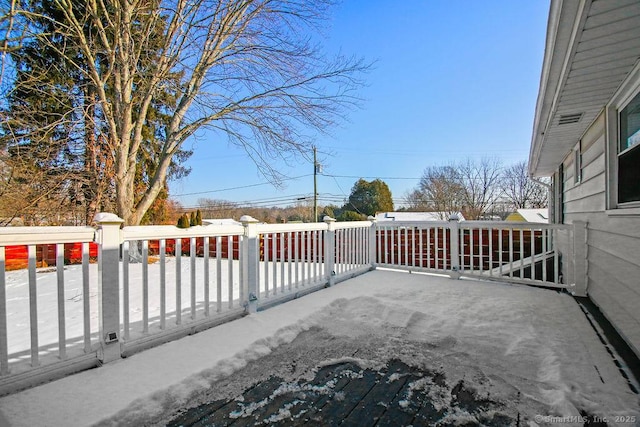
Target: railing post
330,251
109,239
580,259
454,245
250,261
373,242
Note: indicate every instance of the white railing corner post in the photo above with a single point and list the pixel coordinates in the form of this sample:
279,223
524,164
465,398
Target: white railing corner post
454,245
330,251
108,237
373,241
580,259
250,262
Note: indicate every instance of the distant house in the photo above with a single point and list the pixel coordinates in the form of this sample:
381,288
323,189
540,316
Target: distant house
416,216
586,136
540,216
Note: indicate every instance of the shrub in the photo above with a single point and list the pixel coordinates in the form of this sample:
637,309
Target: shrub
183,221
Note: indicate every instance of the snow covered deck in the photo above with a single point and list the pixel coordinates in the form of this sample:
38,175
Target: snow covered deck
529,350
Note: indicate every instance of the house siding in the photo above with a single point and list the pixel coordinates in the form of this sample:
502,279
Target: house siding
613,243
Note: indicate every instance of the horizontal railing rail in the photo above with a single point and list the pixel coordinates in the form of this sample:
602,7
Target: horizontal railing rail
137,286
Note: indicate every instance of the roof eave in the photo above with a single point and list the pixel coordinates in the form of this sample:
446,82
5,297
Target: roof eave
563,24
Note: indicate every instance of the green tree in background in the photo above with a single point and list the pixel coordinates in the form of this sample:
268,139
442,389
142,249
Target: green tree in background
368,198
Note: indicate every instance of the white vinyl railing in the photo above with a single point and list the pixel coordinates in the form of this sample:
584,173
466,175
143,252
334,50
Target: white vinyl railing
32,335
145,285
508,251
416,245
521,252
122,289
173,277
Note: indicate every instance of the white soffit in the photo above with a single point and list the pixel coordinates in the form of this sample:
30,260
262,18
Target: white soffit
591,47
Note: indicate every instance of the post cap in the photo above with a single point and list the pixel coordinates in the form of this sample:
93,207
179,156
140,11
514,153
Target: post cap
248,219
327,218
454,217
107,218
372,218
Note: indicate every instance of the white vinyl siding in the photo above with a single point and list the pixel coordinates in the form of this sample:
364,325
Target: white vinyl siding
613,242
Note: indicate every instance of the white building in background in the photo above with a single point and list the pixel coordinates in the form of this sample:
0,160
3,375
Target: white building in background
417,216
540,216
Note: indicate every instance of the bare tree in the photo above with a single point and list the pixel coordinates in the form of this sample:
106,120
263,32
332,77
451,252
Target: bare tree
520,190
480,183
470,187
213,208
440,190
244,68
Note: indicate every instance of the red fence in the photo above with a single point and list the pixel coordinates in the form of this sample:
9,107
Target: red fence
16,257
479,248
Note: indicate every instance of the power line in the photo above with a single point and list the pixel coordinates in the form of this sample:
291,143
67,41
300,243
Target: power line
369,177
239,187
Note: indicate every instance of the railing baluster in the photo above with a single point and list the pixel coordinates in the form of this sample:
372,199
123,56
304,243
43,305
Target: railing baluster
192,270
219,274
178,256
521,253
265,256
421,247
437,246
316,266
392,248
429,247
205,254
500,251
274,261
481,251
445,239
304,265
462,248
289,265
387,247
544,253
556,267
62,336
309,259
533,254
230,255
490,236
511,252
145,286
283,261
33,304
413,246
86,306
4,343
349,249
163,283
296,257
125,289
471,250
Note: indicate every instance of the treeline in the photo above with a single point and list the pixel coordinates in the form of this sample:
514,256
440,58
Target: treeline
481,189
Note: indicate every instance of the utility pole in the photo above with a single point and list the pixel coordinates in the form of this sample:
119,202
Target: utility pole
315,185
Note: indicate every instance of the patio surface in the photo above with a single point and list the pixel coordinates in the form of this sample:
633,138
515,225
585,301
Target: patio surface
397,348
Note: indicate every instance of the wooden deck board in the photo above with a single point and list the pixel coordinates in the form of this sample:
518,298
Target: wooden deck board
343,394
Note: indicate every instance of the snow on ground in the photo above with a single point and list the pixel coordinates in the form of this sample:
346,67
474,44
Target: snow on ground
513,342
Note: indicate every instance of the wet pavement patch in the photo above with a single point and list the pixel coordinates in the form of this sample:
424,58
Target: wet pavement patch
345,393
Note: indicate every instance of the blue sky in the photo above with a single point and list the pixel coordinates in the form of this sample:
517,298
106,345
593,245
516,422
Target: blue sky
452,79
